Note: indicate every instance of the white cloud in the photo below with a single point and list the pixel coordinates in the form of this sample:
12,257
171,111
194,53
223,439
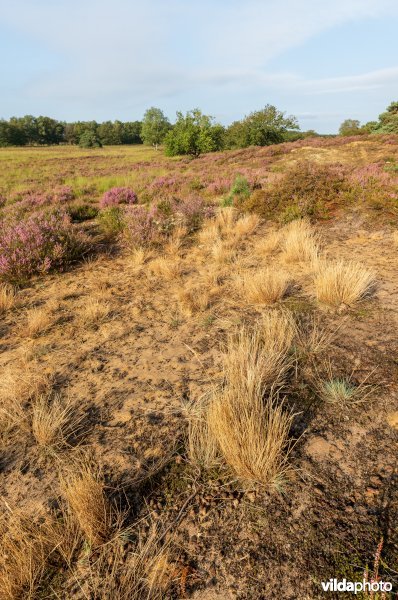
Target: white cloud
126,52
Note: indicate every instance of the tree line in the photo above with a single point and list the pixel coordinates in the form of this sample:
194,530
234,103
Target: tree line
192,133
387,123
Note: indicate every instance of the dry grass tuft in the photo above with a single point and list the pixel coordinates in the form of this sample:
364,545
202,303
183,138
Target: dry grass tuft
243,424
252,433
94,312
54,422
201,444
25,546
196,298
341,282
268,244
222,251
138,258
209,234
301,244
28,543
166,268
265,286
38,321
84,491
7,297
246,225
225,219
20,384
147,572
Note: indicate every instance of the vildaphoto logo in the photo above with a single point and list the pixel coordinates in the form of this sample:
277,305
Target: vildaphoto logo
336,585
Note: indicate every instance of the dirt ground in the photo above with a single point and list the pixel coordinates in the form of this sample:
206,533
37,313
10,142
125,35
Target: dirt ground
132,371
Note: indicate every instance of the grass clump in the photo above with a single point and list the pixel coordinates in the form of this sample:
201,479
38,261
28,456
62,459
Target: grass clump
265,286
243,424
84,491
300,242
7,297
340,282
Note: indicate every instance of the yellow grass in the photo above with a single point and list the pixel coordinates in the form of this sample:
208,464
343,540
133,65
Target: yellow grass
7,297
300,242
252,433
38,321
246,225
54,421
146,573
222,251
343,282
196,298
21,383
94,312
265,286
28,543
164,267
84,491
268,244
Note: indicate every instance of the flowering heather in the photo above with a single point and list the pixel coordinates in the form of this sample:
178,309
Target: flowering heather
118,195
139,227
161,183
37,245
193,210
219,185
63,194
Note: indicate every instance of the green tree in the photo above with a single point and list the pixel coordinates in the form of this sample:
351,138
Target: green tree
154,127
260,128
351,127
194,133
89,139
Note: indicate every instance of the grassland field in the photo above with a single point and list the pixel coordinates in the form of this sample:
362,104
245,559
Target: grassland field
199,375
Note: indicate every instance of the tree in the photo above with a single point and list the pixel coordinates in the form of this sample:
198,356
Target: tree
89,139
350,127
194,134
388,120
260,128
154,127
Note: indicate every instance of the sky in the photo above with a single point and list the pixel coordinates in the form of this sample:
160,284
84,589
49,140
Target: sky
319,60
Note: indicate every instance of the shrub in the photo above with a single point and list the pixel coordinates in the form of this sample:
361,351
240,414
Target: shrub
37,245
239,192
89,139
82,212
111,220
308,189
118,195
193,210
139,227
63,194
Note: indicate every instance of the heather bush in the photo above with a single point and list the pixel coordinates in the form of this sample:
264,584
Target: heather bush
307,189
193,211
38,244
63,194
139,227
118,195
219,186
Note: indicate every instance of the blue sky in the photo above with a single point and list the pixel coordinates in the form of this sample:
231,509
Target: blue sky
112,59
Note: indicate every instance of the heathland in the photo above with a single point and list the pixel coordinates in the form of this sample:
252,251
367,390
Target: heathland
198,392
